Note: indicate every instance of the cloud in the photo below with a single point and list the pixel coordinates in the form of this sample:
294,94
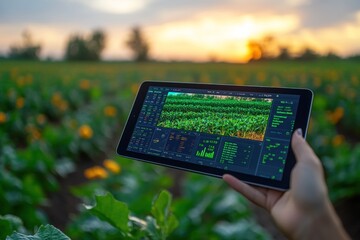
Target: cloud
90,13
191,26
324,13
343,38
297,3
116,6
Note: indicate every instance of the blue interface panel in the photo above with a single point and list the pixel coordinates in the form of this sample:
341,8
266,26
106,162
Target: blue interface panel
245,132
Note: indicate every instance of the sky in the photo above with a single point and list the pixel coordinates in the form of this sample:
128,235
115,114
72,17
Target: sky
185,30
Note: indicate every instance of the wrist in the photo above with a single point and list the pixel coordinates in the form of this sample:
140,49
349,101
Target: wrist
321,224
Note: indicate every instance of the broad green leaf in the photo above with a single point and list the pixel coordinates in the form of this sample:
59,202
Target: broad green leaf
172,224
161,207
47,232
111,210
9,224
6,227
165,220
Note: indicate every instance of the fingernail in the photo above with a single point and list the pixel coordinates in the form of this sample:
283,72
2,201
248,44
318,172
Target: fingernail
299,132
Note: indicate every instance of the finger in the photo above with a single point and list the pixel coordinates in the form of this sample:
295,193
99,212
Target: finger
252,194
303,152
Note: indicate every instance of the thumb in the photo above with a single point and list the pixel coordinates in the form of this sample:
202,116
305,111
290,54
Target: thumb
302,150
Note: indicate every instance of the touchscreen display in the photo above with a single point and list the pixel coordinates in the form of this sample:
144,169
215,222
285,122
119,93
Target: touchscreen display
245,132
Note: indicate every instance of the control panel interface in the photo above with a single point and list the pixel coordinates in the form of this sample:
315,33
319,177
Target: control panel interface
245,132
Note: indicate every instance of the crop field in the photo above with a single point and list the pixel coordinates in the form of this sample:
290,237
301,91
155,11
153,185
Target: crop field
60,123
221,115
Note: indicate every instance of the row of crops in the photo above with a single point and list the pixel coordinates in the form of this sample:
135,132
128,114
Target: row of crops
229,116
60,123
59,126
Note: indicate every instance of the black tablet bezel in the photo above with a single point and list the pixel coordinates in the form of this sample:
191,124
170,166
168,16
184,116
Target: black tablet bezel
302,120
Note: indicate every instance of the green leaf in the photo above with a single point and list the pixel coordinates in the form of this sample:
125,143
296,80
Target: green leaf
8,224
47,232
111,210
165,220
161,207
172,224
6,227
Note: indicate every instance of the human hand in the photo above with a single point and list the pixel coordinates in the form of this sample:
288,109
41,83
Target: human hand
304,211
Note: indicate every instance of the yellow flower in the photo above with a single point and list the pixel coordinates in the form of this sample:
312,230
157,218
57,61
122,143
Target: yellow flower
3,117
85,131
112,166
96,172
35,135
33,132
110,111
84,84
338,140
58,101
336,116
63,105
56,98
20,102
41,119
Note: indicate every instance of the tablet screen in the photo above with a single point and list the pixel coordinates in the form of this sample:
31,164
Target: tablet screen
247,132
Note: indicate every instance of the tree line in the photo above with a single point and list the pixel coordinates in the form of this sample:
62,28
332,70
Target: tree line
81,47
89,48
268,48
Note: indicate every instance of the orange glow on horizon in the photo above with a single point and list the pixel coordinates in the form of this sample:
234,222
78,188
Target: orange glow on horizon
211,35
224,38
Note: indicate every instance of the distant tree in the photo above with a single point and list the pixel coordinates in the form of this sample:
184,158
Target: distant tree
27,50
263,49
86,48
138,44
269,46
308,54
355,57
255,50
331,56
284,54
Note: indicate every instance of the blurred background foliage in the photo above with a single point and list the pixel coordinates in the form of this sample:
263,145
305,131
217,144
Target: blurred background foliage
60,123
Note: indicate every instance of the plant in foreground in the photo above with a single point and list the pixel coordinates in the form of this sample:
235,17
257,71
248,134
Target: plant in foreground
158,226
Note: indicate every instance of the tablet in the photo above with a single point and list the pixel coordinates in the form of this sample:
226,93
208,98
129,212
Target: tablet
216,129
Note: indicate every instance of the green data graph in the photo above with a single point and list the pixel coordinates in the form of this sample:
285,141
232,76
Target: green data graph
207,148
206,153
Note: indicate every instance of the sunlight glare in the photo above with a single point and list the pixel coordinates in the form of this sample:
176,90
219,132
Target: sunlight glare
118,7
226,37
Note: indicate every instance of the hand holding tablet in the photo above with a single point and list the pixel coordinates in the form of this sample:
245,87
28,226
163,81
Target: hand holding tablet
211,129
